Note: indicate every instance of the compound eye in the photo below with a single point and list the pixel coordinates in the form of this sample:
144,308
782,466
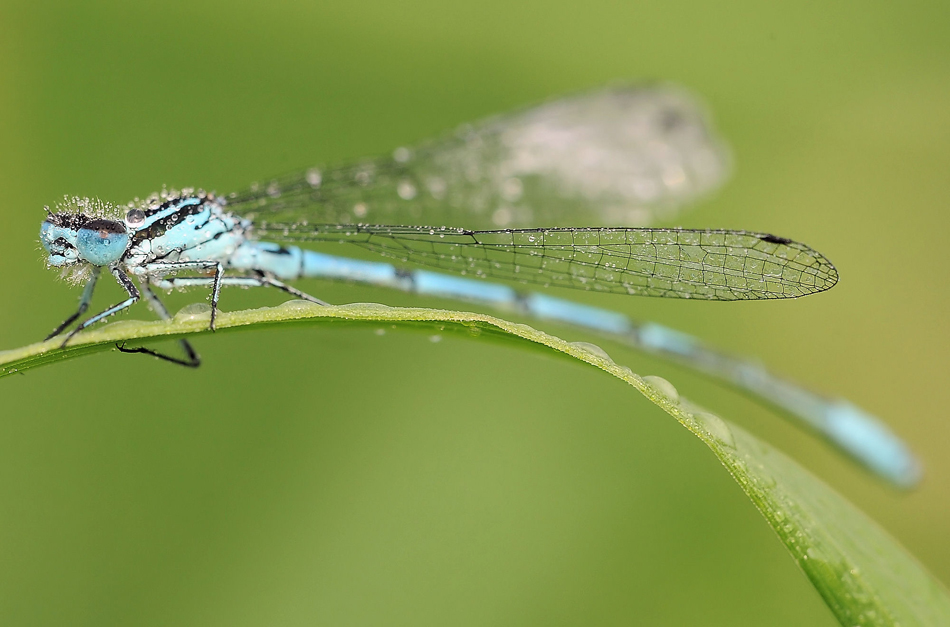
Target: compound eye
46,238
101,242
135,217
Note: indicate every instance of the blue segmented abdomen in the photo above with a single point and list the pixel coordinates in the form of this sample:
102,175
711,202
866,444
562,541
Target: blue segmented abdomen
291,262
284,262
595,318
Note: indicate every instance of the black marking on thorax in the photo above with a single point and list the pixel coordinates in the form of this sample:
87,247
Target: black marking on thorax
158,228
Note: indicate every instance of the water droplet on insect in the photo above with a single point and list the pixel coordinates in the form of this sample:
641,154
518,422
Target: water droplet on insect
435,339
674,176
512,189
314,177
437,187
401,154
406,190
501,217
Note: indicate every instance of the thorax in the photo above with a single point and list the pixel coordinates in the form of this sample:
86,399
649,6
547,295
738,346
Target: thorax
190,228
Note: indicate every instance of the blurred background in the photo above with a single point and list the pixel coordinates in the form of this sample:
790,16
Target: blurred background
327,476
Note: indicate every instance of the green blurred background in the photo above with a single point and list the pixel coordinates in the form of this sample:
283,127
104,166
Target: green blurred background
315,476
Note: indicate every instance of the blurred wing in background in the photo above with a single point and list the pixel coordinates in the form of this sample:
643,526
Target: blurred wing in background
624,156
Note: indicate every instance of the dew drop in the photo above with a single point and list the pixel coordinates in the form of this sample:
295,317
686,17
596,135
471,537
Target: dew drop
406,190
663,387
593,349
192,311
363,177
437,187
512,189
501,217
716,427
674,176
298,304
314,177
370,307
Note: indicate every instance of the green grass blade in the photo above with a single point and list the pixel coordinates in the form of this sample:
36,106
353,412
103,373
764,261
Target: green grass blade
863,574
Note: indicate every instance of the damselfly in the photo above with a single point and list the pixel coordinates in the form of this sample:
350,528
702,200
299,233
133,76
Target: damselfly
620,156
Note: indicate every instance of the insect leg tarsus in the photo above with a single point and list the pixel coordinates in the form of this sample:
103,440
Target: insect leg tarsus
193,360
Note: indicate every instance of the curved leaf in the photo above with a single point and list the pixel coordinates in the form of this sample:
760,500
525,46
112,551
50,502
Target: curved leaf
863,574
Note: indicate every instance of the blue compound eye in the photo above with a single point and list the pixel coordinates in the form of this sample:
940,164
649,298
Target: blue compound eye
45,238
101,242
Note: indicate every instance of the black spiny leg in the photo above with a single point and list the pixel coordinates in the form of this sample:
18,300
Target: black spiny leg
266,280
161,269
193,359
258,280
216,292
123,279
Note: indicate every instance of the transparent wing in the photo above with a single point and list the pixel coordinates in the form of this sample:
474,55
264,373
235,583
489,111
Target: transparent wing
622,156
678,263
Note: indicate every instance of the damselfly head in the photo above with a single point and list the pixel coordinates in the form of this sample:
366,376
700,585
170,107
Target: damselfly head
58,235
82,231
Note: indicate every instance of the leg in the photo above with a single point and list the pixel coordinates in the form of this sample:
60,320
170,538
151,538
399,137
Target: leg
265,280
83,303
123,279
193,361
260,280
162,269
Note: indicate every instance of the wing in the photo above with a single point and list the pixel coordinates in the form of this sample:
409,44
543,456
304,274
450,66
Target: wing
677,263
622,156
